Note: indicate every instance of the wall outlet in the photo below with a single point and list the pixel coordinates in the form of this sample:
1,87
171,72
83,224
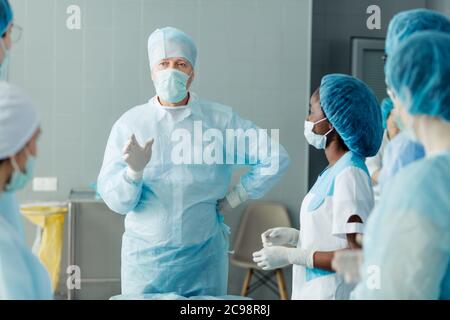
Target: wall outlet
45,184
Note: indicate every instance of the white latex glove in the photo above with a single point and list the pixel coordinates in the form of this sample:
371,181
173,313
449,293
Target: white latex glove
280,237
347,263
233,199
237,196
137,157
270,258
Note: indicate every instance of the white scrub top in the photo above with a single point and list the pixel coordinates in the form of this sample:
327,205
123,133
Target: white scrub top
340,192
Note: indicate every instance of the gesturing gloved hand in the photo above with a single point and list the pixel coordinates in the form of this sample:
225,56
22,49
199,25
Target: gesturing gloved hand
280,237
137,157
270,258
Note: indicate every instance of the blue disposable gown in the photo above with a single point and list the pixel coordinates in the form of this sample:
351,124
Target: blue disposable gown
407,240
10,211
22,276
175,239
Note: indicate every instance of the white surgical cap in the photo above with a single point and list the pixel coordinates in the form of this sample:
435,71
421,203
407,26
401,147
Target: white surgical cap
18,120
170,42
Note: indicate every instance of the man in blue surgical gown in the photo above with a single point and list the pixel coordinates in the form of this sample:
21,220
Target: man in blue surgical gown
160,172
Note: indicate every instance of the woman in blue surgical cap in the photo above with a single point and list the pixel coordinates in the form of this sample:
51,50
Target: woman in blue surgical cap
175,239
21,274
402,151
407,240
345,121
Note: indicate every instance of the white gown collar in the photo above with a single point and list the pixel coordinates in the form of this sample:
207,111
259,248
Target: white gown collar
179,113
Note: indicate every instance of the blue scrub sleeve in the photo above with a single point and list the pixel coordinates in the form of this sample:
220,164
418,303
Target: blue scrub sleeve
119,192
267,159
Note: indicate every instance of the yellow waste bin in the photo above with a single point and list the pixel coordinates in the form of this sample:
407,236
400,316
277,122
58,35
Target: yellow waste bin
49,219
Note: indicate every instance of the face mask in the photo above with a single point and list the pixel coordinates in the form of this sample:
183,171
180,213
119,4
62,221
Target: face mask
171,85
4,65
316,140
20,179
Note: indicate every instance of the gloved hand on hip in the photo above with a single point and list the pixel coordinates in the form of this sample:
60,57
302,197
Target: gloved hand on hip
280,237
233,199
224,206
137,157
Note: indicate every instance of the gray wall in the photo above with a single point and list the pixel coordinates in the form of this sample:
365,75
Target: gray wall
253,55
335,22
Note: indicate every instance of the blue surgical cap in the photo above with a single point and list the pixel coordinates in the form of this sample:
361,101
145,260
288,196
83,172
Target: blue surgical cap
353,110
386,107
6,16
419,74
18,119
406,23
170,42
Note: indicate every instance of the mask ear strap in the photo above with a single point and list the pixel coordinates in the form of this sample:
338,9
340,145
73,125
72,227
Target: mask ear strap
321,120
329,131
14,163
